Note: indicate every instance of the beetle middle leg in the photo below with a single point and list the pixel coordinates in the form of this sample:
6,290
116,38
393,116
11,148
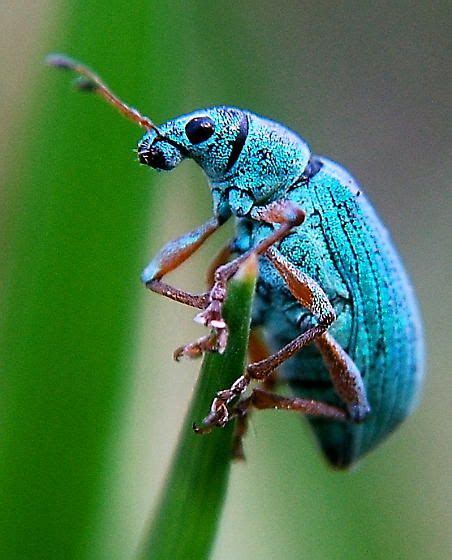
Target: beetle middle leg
344,374
263,400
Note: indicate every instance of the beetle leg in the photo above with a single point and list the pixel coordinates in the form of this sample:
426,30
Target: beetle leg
286,213
311,296
345,377
263,400
210,342
344,374
171,256
198,301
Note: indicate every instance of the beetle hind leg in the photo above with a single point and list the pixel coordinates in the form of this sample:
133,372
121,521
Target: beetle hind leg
263,400
345,377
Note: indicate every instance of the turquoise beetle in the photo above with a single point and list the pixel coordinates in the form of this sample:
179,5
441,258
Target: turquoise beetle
333,299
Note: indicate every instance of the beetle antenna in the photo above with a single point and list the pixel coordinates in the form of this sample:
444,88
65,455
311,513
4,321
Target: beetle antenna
89,81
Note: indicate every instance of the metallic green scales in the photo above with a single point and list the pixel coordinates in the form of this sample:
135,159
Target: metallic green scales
342,245
345,248
322,250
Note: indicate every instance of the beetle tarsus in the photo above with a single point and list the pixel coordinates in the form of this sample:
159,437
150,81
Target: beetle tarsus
193,350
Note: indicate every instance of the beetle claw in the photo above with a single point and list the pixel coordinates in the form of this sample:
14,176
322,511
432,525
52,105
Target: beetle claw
218,417
214,342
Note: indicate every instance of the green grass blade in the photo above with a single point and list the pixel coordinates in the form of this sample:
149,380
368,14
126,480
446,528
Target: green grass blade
76,205
190,507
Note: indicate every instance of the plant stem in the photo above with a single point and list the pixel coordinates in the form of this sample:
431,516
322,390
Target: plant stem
187,516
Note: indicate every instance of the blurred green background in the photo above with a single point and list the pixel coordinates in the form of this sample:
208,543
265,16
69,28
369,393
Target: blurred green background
90,400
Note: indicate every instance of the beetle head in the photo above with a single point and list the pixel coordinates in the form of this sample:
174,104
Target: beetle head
212,137
248,159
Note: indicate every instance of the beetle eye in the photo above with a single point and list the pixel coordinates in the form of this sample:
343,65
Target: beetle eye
199,129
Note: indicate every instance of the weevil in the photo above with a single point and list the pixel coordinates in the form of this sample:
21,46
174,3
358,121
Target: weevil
333,299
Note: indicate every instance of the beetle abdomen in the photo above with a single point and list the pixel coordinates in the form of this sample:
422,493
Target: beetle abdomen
378,321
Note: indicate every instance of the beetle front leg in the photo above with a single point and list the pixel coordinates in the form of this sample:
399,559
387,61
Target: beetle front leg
169,258
284,212
172,255
210,342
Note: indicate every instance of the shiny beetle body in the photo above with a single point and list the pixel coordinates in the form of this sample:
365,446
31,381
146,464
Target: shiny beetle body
333,298
342,245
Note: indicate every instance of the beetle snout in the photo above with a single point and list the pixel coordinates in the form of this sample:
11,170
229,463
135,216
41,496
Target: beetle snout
154,157
159,155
